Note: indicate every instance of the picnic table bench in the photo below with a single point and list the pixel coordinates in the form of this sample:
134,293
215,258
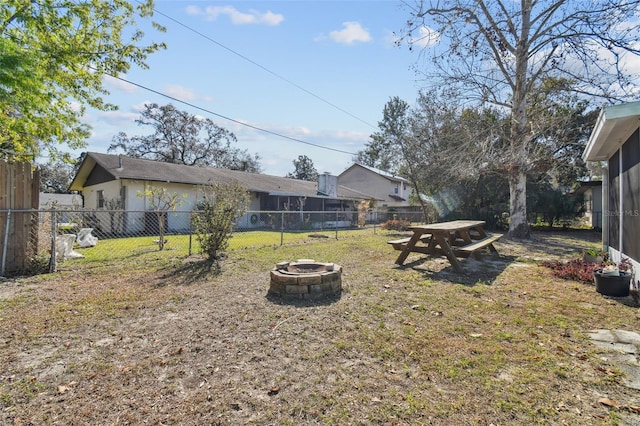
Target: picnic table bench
480,244
398,244
458,238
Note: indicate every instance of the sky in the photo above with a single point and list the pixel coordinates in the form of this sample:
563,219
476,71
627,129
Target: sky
319,72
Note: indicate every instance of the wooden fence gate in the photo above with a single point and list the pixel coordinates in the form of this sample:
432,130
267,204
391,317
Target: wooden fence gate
19,191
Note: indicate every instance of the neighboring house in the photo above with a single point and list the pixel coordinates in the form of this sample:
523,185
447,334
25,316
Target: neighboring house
107,180
615,141
591,192
67,204
393,191
60,201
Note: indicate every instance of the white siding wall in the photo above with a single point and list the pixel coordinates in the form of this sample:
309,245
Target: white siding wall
137,205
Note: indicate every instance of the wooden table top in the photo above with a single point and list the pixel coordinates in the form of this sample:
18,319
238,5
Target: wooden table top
454,225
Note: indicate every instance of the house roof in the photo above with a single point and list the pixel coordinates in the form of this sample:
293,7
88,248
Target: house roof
120,167
390,176
585,185
614,126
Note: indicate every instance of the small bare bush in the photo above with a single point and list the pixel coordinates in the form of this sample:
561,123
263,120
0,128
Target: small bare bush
222,204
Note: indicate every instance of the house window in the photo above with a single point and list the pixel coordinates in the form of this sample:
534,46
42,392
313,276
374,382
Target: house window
100,199
395,190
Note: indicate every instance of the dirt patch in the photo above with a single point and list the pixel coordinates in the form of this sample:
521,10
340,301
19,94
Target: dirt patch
503,343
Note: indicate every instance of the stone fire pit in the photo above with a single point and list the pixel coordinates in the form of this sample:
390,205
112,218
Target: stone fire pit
306,279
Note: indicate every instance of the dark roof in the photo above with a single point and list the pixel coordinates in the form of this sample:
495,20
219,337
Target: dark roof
120,167
584,185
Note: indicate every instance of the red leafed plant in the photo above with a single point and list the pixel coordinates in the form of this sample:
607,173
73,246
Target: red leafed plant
575,269
396,225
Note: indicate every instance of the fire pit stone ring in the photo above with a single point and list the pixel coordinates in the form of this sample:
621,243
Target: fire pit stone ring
305,279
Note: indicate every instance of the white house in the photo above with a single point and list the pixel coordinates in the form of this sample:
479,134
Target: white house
591,192
114,182
615,141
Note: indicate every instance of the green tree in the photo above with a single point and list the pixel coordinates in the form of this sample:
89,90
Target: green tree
222,204
381,151
500,52
304,169
161,201
183,138
449,149
54,55
552,204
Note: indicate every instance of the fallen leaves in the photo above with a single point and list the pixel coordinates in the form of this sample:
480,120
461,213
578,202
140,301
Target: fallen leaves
62,389
618,406
273,391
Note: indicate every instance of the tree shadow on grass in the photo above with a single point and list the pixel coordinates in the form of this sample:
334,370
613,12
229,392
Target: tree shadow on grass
190,272
474,272
541,246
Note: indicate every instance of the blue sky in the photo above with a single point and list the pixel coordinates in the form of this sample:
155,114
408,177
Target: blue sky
328,57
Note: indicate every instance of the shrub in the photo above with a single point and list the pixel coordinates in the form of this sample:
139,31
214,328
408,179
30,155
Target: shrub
576,269
221,205
396,225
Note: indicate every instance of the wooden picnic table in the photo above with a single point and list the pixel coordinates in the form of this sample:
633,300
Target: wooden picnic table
457,238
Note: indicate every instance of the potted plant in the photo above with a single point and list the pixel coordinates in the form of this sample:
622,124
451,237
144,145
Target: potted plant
614,279
593,255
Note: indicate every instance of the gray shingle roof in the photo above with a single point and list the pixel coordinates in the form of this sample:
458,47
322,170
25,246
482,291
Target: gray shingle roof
140,169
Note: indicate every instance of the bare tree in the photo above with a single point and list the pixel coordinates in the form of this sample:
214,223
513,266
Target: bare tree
161,201
500,52
183,138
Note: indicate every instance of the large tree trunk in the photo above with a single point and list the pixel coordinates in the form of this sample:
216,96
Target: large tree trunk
518,225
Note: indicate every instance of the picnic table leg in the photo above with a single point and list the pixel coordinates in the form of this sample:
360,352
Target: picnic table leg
448,251
464,233
407,249
483,234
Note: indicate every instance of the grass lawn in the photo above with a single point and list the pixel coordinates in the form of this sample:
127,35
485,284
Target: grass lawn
148,337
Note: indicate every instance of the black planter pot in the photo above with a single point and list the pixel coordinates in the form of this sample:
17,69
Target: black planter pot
614,286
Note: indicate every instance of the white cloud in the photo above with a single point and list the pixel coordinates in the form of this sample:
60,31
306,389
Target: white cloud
111,83
212,13
427,37
351,33
115,120
184,93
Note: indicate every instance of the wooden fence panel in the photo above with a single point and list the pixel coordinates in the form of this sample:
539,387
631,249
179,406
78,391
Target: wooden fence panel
19,190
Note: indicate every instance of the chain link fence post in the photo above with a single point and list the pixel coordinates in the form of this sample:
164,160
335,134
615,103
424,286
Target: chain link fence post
53,233
191,232
282,228
5,243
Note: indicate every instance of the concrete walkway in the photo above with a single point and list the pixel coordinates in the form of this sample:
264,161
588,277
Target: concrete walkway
623,349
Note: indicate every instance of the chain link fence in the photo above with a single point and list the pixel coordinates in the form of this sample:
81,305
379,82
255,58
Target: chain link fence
35,241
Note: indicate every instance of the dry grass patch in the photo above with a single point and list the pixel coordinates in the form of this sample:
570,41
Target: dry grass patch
504,343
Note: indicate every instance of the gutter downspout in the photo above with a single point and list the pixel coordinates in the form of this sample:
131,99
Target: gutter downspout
605,207
620,213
